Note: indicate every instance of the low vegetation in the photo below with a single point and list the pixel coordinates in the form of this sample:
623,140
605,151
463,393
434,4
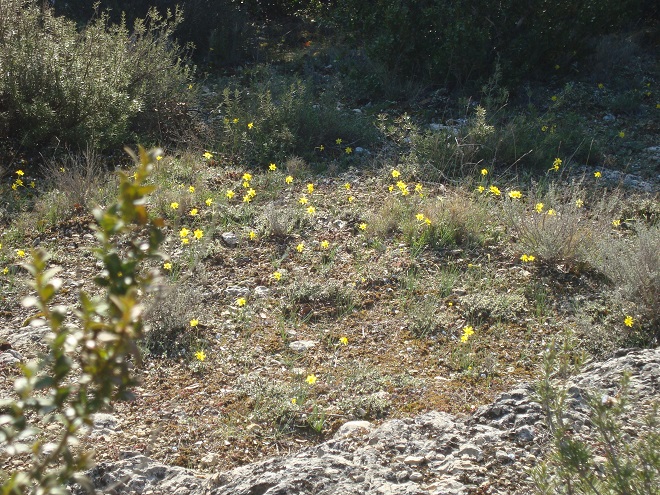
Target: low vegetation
330,250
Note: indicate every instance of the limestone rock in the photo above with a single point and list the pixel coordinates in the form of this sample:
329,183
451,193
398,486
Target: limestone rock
433,454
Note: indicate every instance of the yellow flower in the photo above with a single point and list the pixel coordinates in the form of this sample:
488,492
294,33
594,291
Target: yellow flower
184,232
200,355
32,184
272,167
495,190
185,240
190,86
616,222
347,186
420,217
601,85
348,150
544,128
208,201
277,276
538,207
338,140
303,200
597,175
343,341
418,188
252,235
554,98
159,158
515,194
19,182
167,266
294,401
300,247
321,147
311,379
193,212
252,193
622,134
288,179
551,212
230,194
194,322
629,321
247,177
527,258
481,189
395,173
467,331
484,171
199,233
208,155
5,271
325,244
556,164
247,198
191,189
246,184
174,205
427,221
14,187
311,210
363,226
20,173
390,188
350,199
240,302
250,125
20,253
235,121
310,188
579,203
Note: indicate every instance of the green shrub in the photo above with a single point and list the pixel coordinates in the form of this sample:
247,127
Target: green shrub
61,86
88,365
627,464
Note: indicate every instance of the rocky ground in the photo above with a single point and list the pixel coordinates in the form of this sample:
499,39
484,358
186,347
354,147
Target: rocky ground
487,452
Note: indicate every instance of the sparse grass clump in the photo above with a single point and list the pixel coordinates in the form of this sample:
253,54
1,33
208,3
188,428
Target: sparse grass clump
632,264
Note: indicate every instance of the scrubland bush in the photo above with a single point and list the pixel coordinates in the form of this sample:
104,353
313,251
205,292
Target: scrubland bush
87,364
452,43
99,85
619,455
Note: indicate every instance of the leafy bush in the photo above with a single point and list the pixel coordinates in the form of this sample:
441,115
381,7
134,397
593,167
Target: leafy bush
87,365
99,85
629,466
